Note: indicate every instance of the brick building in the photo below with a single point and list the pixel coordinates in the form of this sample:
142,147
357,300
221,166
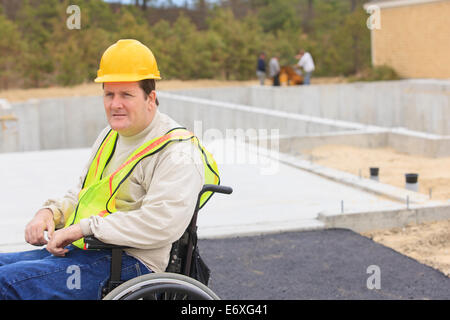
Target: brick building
411,36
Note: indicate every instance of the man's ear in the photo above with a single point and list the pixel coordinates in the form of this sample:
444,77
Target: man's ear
152,99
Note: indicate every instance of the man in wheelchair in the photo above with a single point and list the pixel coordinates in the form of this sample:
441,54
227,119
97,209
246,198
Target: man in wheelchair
137,194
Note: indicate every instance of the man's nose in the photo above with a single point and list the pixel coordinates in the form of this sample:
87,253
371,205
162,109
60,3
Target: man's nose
116,102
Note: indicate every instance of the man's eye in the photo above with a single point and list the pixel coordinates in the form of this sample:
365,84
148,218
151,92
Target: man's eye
109,94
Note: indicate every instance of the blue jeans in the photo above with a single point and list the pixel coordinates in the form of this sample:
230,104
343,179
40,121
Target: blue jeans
307,78
80,274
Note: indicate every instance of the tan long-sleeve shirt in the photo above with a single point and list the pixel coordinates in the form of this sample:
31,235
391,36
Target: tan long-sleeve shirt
156,202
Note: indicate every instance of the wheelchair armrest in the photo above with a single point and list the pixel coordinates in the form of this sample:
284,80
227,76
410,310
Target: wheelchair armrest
92,243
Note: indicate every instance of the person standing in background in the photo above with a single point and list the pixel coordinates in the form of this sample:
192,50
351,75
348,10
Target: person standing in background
305,62
274,70
261,68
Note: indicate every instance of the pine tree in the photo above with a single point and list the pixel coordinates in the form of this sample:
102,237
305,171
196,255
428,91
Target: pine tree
11,48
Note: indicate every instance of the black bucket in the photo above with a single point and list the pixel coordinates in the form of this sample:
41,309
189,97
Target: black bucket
374,172
411,177
412,181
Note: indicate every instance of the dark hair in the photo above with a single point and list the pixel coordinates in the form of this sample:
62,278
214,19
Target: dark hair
148,85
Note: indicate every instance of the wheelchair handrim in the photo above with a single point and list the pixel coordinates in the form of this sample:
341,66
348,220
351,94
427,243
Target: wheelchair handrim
150,284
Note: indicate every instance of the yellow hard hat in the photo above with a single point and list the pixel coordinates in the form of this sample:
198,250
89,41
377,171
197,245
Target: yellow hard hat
127,60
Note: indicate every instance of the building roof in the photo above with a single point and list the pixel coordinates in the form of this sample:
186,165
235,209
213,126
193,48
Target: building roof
382,4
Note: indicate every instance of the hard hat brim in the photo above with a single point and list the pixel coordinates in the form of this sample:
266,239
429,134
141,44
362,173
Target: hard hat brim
125,78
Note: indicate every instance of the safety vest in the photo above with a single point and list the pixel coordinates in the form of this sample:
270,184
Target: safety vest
97,196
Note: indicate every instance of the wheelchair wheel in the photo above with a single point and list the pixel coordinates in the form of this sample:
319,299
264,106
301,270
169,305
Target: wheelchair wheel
162,286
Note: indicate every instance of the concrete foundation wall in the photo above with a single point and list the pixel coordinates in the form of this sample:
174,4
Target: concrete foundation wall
411,144
421,105
378,220
76,122
201,114
297,145
420,145
56,123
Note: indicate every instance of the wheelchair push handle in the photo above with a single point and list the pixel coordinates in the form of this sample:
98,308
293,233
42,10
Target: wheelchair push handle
216,188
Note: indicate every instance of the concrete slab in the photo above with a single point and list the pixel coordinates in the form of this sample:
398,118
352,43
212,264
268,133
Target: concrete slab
28,179
268,196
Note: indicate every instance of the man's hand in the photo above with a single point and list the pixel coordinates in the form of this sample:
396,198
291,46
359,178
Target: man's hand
34,231
62,238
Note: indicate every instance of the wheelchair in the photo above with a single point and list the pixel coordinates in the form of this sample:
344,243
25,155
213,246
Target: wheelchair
185,278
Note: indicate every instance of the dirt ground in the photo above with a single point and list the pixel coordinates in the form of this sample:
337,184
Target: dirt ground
88,89
428,243
14,95
434,173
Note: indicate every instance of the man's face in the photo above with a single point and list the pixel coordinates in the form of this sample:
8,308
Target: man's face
128,109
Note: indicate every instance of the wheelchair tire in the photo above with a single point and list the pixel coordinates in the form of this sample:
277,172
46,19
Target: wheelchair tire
162,286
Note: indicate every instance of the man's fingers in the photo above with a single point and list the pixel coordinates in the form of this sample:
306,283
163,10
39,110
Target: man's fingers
35,235
27,236
39,236
40,241
58,252
50,229
35,232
